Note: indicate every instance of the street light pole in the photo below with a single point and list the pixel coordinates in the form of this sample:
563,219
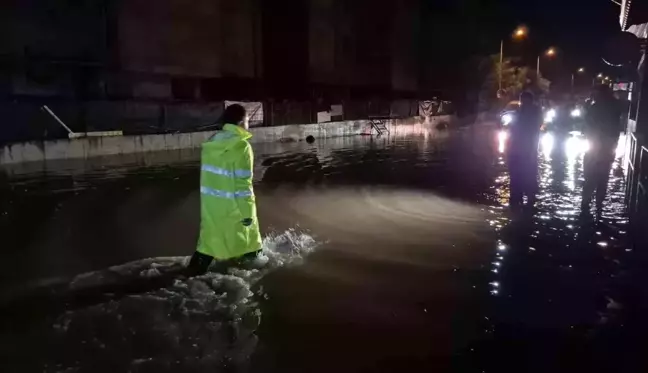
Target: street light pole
549,53
500,63
520,32
580,71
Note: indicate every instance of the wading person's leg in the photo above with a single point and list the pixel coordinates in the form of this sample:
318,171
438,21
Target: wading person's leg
199,264
603,168
531,180
591,179
516,186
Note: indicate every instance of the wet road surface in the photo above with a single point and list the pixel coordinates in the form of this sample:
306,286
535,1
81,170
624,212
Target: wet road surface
387,255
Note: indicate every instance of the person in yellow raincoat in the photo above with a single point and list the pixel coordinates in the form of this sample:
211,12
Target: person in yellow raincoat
229,228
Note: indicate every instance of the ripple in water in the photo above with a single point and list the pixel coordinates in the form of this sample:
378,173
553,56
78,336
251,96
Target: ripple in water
191,325
555,280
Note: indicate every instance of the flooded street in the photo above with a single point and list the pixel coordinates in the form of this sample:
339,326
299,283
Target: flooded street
386,255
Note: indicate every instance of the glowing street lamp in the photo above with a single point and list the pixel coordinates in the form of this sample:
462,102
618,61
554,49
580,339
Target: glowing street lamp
598,77
549,53
519,33
580,71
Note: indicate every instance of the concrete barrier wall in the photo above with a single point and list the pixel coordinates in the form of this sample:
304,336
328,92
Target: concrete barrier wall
83,148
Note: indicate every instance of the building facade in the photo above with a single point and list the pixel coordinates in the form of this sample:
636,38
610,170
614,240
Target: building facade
144,66
633,18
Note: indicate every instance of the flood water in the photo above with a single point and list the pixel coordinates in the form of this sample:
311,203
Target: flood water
385,255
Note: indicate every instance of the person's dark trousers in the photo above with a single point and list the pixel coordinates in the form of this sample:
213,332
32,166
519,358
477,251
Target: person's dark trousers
531,179
523,173
199,263
517,189
597,165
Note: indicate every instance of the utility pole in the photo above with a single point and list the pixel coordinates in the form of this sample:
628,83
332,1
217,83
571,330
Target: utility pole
572,84
500,63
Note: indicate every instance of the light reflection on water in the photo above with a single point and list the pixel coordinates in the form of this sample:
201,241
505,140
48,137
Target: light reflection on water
554,273
400,257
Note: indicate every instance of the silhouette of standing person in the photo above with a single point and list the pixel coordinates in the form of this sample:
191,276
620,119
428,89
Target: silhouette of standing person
602,129
523,151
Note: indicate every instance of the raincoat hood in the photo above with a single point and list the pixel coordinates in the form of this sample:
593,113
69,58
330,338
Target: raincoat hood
237,130
227,138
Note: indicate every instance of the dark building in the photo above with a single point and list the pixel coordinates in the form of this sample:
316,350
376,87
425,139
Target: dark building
634,20
145,66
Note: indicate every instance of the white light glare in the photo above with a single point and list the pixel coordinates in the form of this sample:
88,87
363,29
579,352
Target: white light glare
576,113
575,146
547,141
507,119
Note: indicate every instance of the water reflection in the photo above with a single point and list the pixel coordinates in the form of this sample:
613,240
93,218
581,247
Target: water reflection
410,274
554,274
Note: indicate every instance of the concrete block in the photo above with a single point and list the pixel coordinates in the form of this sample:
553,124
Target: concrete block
22,152
198,138
119,145
293,132
206,136
152,143
65,149
358,127
171,141
78,148
128,144
32,152
184,141
11,154
267,134
114,145
313,129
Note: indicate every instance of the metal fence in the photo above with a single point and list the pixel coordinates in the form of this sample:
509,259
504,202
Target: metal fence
637,188
25,121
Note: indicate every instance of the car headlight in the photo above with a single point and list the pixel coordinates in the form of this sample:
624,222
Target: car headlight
576,145
550,115
576,113
507,119
547,141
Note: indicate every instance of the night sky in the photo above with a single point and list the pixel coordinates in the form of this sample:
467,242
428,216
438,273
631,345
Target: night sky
462,30
577,27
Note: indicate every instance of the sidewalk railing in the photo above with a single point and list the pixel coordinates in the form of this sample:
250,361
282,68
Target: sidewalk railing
631,161
637,188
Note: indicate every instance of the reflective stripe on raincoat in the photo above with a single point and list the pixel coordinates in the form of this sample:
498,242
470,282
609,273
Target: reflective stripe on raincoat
226,196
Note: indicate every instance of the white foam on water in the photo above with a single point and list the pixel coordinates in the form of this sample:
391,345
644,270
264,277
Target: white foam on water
202,322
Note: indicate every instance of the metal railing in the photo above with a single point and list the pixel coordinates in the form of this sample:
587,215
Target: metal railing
641,202
637,188
631,161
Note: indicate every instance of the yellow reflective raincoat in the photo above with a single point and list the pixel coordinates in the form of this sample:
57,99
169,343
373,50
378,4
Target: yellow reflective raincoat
228,227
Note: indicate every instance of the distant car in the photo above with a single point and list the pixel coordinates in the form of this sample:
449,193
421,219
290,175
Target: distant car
565,118
507,115
507,118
